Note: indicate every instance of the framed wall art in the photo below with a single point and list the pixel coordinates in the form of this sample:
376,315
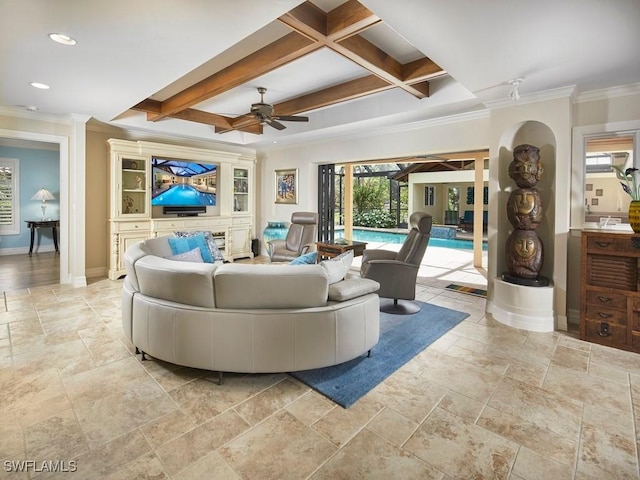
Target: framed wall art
286,183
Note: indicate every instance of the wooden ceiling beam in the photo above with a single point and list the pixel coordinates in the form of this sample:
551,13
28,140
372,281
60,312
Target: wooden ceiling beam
348,19
148,106
343,23
274,55
217,121
361,51
312,29
307,20
151,107
350,90
421,70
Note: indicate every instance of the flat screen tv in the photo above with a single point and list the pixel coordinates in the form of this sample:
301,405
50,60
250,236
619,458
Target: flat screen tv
183,185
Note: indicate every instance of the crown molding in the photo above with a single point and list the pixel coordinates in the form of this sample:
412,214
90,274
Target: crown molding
332,135
144,135
546,95
607,93
37,116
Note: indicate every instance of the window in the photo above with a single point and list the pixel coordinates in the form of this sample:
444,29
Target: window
429,196
598,163
9,197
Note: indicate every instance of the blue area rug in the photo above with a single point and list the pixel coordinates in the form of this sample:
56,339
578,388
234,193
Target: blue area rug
401,338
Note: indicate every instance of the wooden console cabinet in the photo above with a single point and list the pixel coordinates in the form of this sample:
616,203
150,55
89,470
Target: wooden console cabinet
133,218
610,289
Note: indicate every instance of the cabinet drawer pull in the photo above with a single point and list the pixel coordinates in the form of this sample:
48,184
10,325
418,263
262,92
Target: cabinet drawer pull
603,244
605,315
604,299
604,330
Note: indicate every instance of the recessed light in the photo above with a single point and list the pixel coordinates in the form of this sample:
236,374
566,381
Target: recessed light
41,86
62,39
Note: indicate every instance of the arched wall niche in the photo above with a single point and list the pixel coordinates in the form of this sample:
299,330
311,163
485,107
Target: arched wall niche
541,136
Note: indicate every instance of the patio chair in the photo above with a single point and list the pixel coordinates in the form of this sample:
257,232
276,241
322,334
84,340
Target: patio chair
396,272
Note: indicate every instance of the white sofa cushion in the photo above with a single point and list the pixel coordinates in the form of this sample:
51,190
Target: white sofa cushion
246,286
181,282
352,287
338,267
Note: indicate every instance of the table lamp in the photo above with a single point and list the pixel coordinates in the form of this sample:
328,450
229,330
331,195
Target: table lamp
44,195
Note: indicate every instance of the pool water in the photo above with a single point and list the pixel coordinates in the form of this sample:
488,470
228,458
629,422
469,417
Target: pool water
184,195
391,237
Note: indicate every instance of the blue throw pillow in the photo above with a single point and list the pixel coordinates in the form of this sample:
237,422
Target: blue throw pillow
306,259
208,236
182,245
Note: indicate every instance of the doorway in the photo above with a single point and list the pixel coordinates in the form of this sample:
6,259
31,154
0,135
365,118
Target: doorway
44,267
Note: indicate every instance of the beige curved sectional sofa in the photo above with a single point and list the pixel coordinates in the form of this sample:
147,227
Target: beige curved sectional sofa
243,317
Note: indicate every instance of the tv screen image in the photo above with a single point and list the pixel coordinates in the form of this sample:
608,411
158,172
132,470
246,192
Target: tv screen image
178,183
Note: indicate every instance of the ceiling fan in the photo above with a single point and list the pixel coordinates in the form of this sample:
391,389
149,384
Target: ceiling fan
264,113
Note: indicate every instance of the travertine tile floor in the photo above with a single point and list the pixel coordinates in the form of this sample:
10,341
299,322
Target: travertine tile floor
484,401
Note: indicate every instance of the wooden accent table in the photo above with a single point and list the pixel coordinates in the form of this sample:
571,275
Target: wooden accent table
52,224
341,245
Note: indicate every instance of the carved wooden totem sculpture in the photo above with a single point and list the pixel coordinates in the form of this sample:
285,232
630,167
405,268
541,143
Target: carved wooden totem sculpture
524,250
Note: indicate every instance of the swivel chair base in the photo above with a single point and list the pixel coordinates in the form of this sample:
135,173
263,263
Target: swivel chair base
398,307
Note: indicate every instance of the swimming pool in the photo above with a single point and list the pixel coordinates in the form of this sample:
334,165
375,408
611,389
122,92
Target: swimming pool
183,195
391,237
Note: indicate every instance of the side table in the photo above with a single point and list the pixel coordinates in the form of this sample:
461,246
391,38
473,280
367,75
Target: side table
340,245
52,224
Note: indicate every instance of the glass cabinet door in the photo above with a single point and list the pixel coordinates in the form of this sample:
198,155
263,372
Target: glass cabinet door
240,190
133,185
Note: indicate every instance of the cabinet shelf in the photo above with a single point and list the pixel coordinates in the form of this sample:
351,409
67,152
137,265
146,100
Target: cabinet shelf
240,190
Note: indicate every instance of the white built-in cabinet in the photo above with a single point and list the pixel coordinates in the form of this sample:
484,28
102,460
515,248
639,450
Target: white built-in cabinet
132,217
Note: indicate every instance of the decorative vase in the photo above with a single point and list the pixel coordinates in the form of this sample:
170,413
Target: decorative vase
634,215
273,231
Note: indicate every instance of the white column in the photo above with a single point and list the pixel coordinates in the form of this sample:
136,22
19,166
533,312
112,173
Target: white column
77,200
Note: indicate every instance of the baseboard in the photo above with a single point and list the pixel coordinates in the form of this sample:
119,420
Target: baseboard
25,250
96,272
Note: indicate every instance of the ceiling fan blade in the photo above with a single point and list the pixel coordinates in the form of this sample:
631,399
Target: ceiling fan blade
275,124
292,118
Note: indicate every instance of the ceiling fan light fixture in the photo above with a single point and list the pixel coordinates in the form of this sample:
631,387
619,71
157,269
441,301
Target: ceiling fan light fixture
515,84
62,39
263,112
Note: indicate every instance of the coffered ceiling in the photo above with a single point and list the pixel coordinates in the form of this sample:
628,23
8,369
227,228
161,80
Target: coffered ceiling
193,68
335,39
